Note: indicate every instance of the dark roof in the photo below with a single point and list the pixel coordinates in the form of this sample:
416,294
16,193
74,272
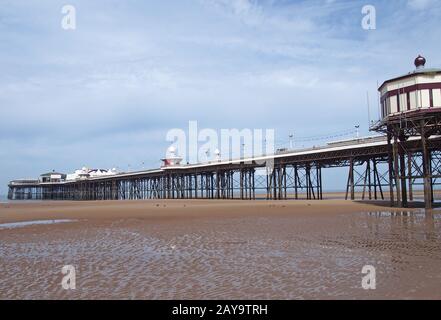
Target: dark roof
411,74
95,170
51,173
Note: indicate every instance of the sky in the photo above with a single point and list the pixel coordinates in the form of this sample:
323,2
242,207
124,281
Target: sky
105,94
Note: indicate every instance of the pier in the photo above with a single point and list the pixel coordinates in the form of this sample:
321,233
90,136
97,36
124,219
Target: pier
392,165
294,175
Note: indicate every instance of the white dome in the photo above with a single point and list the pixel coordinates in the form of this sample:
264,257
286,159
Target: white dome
217,152
171,151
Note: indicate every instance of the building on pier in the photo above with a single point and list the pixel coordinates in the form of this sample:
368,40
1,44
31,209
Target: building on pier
172,159
52,177
418,91
86,173
410,107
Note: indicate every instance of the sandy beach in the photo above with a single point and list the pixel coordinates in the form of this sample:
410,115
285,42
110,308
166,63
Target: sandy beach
218,249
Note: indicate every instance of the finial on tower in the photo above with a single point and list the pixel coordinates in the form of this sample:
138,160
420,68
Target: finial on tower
420,62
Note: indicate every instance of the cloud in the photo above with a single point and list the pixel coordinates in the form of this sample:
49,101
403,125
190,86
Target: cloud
420,4
249,12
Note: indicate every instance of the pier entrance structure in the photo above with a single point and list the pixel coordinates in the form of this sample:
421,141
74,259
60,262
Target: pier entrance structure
411,107
405,157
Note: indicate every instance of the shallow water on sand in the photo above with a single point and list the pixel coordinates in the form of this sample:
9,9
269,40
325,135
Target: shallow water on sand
244,258
31,222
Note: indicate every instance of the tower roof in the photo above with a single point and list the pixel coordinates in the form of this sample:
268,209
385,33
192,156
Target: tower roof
420,62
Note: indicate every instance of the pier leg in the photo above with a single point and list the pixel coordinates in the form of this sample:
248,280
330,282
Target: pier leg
409,173
268,183
403,176
391,170
365,180
318,173
426,169
397,172
196,186
350,184
284,183
241,183
352,180
274,196
308,183
296,179
253,182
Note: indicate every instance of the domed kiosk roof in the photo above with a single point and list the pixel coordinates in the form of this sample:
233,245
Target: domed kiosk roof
420,63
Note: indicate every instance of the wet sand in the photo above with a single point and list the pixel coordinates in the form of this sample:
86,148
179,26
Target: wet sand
210,249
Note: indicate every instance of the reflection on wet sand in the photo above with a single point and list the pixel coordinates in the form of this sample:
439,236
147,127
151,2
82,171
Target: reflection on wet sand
32,222
255,257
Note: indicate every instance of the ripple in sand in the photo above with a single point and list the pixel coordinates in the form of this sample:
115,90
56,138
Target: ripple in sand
279,258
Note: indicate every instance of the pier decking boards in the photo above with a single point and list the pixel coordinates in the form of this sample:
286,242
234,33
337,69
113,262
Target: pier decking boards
409,154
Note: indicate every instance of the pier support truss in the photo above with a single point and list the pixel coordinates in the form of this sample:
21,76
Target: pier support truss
409,166
367,176
294,181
